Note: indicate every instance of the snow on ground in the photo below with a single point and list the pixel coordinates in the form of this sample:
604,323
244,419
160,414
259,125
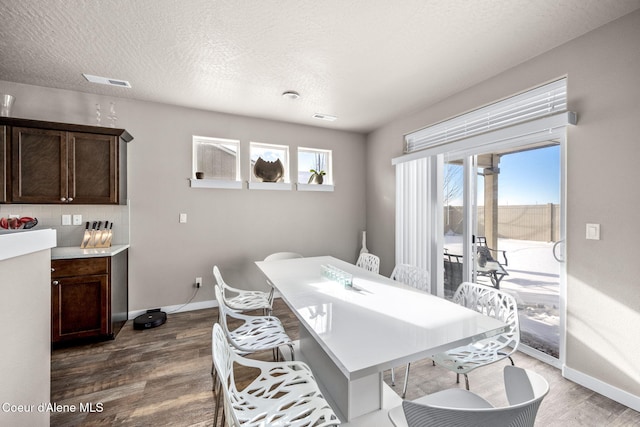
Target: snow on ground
533,280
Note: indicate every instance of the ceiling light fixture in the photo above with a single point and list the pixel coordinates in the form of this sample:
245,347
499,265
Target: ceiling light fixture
291,94
326,117
107,81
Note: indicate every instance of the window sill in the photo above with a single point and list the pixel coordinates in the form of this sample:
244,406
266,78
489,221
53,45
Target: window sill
314,187
270,186
215,183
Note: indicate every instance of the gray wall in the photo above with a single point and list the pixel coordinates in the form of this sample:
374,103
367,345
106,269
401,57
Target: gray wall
230,228
603,301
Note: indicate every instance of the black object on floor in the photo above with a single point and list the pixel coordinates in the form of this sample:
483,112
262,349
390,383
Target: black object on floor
150,319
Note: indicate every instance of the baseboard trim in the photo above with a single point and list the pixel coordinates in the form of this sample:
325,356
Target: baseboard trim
607,390
179,308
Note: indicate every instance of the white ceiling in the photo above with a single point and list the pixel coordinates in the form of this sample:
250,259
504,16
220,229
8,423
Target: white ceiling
365,61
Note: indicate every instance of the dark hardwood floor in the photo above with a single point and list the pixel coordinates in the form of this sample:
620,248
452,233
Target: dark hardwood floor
162,377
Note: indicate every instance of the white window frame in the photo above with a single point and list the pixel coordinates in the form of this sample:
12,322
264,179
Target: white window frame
214,182
254,184
328,184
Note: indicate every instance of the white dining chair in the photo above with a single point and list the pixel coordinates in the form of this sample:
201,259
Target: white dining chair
282,255
241,299
281,394
525,390
369,262
490,302
255,333
418,278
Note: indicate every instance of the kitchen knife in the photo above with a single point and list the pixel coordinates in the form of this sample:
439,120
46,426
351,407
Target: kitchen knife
86,237
92,239
104,235
110,235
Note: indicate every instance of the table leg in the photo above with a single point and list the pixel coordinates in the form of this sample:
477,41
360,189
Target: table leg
351,398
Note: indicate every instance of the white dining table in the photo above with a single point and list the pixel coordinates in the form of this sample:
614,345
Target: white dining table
350,335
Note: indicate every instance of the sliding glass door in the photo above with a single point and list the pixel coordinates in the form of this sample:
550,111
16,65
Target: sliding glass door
502,208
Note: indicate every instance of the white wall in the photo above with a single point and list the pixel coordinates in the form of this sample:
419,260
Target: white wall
231,228
25,328
603,70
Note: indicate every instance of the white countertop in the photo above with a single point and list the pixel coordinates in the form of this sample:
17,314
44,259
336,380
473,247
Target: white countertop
22,242
76,252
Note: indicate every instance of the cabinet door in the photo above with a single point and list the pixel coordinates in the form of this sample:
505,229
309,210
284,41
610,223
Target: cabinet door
80,307
39,166
4,165
93,163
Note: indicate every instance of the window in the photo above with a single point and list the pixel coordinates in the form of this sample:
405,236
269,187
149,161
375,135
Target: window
315,171
216,163
269,166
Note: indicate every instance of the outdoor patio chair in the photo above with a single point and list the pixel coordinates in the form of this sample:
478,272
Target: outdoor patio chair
525,390
488,263
490,302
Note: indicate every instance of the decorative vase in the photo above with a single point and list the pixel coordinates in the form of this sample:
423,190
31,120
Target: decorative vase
364,249
268,171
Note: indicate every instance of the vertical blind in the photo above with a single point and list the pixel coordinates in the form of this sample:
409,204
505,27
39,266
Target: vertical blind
413,214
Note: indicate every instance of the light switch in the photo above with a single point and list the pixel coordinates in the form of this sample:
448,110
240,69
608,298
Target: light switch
66,219
77,219
593,231
183,218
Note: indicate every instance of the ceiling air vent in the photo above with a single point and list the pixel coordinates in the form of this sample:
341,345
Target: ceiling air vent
106,81
326,117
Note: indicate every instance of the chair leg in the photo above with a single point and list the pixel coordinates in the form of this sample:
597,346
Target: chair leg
406,381
218,397
466,381
291,349
393,377
512,364
457,378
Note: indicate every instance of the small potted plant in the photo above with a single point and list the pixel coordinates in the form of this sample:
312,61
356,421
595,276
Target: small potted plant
318,173
316,176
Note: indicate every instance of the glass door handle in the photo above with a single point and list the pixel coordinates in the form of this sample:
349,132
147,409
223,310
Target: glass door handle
555,253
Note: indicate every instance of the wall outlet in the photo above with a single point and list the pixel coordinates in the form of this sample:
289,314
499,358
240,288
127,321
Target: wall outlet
198,282
77,219
66,219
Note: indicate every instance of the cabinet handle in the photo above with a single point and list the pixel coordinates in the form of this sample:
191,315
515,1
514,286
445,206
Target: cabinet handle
55,283
63,199
70,199
53,269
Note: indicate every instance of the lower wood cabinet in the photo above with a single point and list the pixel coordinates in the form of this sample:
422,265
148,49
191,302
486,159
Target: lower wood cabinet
88,297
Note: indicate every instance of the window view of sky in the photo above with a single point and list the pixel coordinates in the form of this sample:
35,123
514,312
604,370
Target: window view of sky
526,178
530,177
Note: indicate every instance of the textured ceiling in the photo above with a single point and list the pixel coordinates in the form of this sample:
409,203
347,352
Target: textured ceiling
365,61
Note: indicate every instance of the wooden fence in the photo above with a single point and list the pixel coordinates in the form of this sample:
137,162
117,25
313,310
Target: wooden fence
522,222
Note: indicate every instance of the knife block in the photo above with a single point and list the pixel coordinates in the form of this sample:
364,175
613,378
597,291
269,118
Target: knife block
96,239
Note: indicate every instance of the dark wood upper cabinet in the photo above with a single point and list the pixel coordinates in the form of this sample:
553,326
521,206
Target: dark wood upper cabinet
39,165
64,163
4,165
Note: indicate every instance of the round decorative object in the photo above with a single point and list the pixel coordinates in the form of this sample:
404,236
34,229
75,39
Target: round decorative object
268,171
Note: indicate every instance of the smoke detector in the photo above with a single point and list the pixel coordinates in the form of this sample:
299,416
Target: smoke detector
291,94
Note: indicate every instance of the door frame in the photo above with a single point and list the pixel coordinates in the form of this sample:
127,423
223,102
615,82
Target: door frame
468,156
